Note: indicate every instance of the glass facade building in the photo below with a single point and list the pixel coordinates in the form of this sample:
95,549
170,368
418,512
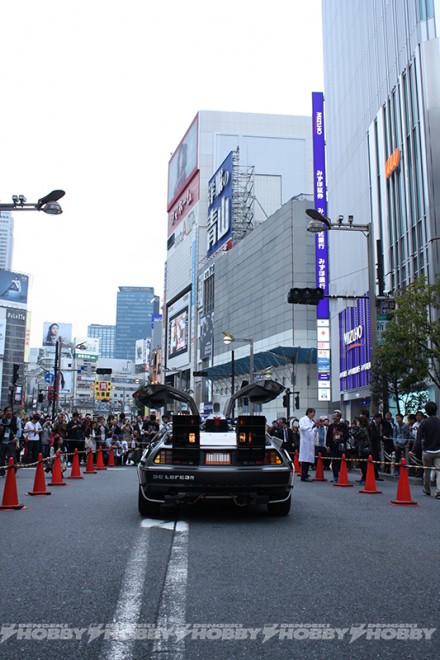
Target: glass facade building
6,240
382,110
106,335
134,310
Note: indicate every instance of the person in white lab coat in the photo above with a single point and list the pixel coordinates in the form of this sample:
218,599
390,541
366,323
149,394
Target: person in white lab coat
307,431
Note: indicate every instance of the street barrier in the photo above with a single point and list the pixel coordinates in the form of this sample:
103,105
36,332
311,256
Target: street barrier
111,458
370,480
90,468
319,476
57,476
100,461
10,494
343,475
39,481
75,472
403,497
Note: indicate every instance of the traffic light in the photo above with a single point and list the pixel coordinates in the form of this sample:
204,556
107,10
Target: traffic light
103,372
40,397
297,402
201,374
285,400
307,296
16,369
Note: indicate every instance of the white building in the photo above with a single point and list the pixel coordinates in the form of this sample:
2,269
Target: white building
6,240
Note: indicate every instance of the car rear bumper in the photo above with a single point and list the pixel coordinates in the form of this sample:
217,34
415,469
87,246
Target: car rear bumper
169,484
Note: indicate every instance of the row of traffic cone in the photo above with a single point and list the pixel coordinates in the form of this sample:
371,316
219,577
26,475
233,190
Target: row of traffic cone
403,497
10,494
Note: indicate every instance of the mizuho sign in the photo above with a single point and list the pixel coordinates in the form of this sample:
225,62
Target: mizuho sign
353,335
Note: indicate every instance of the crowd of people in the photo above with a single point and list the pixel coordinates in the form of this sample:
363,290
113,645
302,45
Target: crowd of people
24,440
387,440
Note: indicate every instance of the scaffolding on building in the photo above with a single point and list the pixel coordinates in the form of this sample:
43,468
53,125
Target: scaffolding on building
243,182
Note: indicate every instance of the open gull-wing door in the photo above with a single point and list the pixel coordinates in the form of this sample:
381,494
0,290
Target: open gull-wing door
261,391
158,395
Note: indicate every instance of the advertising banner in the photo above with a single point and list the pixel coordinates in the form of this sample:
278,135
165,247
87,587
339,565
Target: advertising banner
142,358
87,348
178,331
206,335
54,331
219,224
354,346
185,203
183,163
320,198
13,289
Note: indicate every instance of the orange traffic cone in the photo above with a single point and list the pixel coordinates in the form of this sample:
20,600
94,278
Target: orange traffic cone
296,463
370,480
111,458
57,477
10,495
343,475
319,476
90,468
100,461
39,481
75,472
403,497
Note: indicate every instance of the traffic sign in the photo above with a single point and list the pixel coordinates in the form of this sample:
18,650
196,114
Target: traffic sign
49,378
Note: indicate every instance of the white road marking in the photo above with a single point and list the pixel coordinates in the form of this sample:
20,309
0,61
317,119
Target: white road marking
172,609
129,604
163,524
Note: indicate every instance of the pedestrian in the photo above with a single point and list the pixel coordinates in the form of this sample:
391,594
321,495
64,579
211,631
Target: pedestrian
58,445
336,442
307,430
401,437
9,443
284,433
45,437
75,438
362,444
376,436
32,432
428,439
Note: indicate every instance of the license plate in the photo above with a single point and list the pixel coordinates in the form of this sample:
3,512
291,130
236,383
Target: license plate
217,458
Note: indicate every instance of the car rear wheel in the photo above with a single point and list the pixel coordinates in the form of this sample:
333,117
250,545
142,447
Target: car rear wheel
146,508
279,508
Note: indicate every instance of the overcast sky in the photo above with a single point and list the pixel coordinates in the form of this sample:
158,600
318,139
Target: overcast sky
96,94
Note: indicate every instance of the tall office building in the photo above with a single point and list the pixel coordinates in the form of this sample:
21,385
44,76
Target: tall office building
229,174
134,309
382,108
106,335
6,240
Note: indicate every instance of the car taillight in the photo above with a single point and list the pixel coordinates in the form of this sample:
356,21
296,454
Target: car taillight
163,457
272,457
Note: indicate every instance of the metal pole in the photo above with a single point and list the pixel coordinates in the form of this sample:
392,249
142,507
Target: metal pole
55,389
372,292
251,371
233,380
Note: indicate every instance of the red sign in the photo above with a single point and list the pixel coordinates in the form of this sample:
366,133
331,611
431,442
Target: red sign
392,162
187,200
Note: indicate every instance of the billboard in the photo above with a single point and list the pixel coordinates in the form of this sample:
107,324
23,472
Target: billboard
87,348
142,358
354,346
320,199
183,164
219,225
185,203
13,289
206,336
178,331
53,331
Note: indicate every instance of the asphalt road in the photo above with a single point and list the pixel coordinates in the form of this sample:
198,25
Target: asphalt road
344,575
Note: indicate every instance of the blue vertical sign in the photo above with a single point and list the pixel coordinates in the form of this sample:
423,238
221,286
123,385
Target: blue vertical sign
320,197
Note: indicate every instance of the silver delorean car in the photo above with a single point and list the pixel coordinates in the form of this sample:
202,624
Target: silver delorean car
191,461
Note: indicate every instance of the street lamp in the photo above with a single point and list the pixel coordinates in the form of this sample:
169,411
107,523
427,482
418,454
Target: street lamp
228,339
48,203
319,223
